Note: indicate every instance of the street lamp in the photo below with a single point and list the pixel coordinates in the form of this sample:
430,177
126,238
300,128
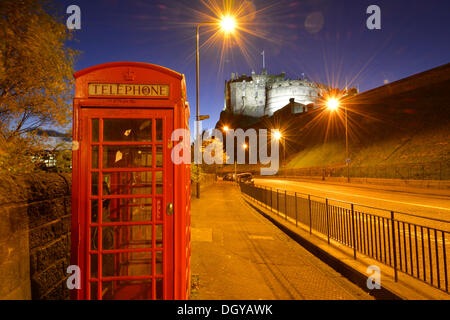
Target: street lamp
279,137
227,24
333,104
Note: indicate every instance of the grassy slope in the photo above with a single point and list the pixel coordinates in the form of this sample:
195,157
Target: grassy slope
410,128
425,147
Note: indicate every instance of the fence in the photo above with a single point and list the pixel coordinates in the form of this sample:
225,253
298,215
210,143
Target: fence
418,249
423,171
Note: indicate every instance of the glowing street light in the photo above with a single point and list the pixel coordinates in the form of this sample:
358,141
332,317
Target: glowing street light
245,146
227,24
278,135
333,104
226,128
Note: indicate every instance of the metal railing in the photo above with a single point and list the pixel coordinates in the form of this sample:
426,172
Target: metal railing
422,171
418,247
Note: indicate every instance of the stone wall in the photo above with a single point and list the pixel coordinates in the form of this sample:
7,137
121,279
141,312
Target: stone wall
248,98
206,181
280,93
264,94
35,220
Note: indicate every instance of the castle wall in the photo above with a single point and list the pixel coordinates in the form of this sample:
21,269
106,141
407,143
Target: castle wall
248,98
264,94
278,94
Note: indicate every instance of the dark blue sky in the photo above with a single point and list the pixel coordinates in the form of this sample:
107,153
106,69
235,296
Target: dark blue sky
415,37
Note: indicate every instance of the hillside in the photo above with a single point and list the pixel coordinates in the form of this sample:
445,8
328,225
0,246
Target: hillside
403,123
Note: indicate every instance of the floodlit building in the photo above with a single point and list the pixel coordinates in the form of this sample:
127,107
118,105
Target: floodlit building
262,94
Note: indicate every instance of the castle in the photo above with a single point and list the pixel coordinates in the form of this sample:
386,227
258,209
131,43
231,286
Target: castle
262,94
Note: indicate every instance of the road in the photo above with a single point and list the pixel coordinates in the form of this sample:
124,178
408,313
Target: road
238,254
424,205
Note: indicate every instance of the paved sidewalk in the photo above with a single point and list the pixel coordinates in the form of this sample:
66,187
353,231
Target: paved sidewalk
238,254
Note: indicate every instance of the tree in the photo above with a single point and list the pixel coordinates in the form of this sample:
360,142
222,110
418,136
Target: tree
36,79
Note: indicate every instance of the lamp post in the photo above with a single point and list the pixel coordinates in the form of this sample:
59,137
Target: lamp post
347,160
245,147
227,24
279,137
333,104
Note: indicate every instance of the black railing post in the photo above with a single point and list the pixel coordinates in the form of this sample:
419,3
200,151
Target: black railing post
353,231
445,261
285,205
278,204
265,196
394,246
271,200
328,225
296,211
310,219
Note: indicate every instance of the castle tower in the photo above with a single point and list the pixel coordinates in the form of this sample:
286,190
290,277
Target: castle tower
263,94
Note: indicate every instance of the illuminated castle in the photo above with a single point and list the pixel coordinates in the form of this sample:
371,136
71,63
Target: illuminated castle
263,94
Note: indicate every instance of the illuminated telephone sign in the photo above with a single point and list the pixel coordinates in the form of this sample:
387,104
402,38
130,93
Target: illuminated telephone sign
128,90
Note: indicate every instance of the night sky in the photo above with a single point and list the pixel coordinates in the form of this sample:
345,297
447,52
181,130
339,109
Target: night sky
327,40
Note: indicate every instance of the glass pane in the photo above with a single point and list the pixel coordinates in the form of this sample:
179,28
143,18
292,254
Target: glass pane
128,210
139,257
94,290
159,130
127,130
94,157
124,183
159,262
159,236
127,290
159,289
94,183
159,182
123,265
159,156
94,265
127,237
127,157
94,211
95,130
94,238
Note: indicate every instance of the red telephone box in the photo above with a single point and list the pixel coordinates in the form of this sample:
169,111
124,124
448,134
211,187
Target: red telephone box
130,202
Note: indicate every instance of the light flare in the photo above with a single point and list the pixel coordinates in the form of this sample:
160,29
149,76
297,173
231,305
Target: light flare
228,24
333,104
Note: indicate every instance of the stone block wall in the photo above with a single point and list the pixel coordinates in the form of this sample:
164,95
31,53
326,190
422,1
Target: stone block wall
265,94
206,181
280,93
35,220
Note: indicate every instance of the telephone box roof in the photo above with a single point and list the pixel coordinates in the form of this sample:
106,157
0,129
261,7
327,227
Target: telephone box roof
128,64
